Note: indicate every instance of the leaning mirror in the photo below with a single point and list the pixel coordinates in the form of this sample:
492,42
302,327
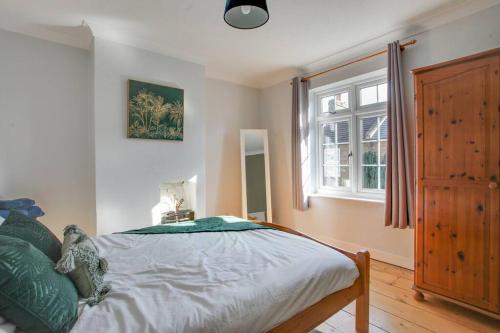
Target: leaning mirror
255,180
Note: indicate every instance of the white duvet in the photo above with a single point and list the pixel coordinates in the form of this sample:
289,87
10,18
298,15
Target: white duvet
247,281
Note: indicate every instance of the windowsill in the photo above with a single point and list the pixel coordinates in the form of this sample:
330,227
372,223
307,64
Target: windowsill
347,197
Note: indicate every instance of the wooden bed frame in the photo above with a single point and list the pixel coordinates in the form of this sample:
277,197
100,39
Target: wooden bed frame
316,314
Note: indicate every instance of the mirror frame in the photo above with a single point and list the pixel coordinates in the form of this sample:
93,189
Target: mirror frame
269,209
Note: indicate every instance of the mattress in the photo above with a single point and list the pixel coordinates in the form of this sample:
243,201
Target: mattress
246,281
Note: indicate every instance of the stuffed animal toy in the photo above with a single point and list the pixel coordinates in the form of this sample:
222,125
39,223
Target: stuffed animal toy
80,260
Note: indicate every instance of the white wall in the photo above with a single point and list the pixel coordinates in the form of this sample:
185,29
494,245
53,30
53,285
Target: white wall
44,129
230,108
63,111
130,171
356,224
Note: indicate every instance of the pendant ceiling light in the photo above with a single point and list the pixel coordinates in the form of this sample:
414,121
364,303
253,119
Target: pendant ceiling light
246,14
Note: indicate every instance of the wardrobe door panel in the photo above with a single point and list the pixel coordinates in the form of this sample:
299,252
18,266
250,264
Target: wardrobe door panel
456,137
456,230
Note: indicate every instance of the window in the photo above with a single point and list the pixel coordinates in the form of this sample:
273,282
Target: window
373,94
373,141
336,150
334,103
350,123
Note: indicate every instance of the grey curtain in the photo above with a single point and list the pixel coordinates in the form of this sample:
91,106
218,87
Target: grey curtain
300,138
400,185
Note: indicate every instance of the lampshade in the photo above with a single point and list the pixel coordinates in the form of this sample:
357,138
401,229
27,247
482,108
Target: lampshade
246,14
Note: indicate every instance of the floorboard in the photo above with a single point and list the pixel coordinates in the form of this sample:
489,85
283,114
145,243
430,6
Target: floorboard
393,309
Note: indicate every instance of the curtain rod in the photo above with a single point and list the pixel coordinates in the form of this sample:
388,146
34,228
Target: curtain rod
403,46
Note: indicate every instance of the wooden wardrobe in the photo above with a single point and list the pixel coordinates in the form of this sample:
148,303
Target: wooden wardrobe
457,245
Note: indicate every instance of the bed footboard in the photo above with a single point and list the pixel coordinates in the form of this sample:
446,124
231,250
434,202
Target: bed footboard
363,300
316,314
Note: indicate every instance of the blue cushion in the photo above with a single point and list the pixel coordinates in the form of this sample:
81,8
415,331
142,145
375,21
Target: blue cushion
16,203
33,211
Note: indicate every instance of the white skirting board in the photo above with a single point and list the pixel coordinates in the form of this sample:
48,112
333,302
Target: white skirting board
376,254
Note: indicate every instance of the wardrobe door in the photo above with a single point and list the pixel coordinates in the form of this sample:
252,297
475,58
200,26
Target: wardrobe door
457,234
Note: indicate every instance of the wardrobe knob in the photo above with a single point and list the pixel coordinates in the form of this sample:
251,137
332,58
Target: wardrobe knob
493,185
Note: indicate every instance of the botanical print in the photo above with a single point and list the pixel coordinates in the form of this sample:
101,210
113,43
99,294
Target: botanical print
155,111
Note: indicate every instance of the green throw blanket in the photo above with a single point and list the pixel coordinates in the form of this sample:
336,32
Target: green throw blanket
209,224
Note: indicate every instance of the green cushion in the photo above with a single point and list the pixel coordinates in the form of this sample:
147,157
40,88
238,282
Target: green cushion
33,296
24,227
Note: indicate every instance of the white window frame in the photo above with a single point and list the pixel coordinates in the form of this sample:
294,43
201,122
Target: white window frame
354,115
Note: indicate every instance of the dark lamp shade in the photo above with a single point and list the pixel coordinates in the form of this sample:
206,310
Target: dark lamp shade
246,14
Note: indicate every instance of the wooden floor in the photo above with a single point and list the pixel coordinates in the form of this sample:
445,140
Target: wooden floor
393,309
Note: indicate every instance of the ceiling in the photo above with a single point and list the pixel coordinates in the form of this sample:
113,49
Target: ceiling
299,32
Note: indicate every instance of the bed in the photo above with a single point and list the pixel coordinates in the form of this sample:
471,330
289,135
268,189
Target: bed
253,280
272,280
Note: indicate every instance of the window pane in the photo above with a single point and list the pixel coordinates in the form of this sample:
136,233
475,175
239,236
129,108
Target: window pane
331,155
373,94
368,95
370,177
331,171
343,132
330,175
335,103
373,151
369,128
335,176
344,177
325,104
383,152
329,182
336,155
382,92
383,128
329,133
342,101
344,154
382,177
369,153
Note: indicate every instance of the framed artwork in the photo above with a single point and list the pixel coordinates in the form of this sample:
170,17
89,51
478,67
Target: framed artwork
155,111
